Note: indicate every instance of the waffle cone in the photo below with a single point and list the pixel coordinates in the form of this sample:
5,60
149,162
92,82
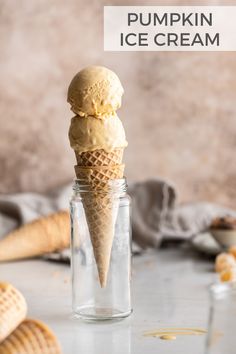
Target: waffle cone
31,337
98,177
13,309
43,235
100,157
100,208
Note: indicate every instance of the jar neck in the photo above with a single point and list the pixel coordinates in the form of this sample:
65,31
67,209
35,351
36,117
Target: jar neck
112,186
222,291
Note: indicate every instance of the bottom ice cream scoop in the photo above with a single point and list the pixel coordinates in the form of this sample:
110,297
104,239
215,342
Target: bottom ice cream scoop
89,134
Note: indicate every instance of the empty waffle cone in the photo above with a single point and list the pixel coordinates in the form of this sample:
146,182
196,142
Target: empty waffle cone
31,337
46,234
100,208
100,157
13,309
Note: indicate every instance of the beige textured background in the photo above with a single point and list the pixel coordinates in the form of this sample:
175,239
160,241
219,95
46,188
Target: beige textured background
179,109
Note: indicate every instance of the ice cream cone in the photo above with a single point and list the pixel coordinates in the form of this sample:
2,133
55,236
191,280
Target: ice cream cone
98,139
31,337
43,235
100,157
13,309
100,208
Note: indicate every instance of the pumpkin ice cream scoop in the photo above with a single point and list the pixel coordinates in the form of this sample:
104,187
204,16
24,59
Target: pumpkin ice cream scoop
95,91
89,134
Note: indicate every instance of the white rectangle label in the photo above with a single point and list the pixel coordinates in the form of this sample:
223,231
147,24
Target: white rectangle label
169,28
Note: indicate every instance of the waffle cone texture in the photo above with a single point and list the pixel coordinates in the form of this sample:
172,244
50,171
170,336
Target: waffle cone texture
43,235
13,309
100,157
31,337
97,168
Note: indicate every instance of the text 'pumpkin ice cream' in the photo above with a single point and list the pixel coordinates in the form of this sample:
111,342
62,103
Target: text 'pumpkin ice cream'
98,139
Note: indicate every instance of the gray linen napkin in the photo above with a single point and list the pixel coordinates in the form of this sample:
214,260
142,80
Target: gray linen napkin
155,215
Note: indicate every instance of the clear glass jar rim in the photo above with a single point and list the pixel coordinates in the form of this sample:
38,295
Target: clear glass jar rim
220,289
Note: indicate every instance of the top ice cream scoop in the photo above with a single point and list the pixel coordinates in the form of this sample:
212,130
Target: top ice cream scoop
95,91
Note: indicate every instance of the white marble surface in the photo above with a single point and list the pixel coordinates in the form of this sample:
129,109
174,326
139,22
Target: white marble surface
169,290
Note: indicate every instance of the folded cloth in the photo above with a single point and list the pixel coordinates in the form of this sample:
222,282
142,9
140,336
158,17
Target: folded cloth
156,217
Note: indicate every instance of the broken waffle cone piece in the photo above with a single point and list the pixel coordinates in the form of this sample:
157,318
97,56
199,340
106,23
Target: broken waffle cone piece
224,261
232,250
31,337
44,235
13,309
228,274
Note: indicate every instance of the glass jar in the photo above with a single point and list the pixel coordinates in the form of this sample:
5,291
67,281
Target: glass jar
101,250
221,338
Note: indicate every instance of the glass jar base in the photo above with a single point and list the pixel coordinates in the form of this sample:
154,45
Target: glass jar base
100,314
